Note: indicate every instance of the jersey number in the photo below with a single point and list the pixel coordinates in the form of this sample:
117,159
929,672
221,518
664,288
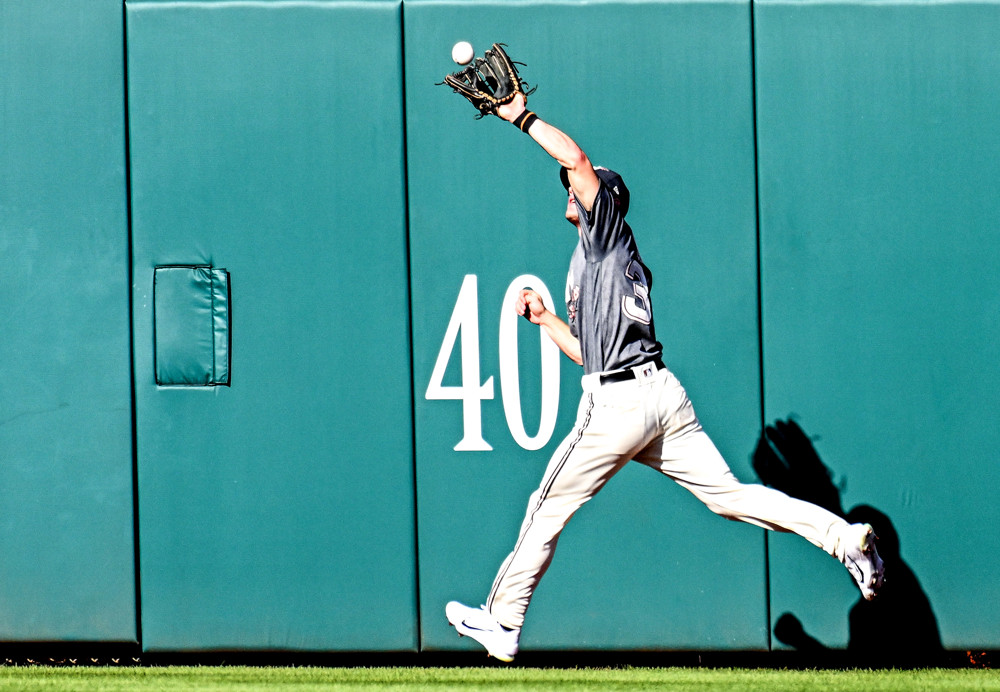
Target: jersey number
465,320
636,306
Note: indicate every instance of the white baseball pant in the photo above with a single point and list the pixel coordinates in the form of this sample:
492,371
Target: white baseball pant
648,419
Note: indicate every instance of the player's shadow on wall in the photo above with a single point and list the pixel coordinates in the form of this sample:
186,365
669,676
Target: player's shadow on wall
898,628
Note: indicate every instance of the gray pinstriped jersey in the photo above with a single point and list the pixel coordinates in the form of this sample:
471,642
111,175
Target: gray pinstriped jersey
607,292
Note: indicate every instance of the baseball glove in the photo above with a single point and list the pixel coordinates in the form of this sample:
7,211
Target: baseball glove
490,81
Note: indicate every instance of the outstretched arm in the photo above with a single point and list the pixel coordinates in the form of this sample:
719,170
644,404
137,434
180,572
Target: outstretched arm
530,304
559,146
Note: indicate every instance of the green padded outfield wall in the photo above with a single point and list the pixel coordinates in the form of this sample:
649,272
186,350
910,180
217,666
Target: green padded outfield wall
66,539
879,216
644,565
290,405
276,511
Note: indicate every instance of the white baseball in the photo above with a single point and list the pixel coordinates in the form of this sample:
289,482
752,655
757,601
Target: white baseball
462,52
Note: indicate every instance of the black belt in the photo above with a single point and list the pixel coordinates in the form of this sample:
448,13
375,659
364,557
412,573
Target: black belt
629,374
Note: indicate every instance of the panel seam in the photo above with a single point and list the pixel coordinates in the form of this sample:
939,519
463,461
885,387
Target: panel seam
760,298
131,330
409,330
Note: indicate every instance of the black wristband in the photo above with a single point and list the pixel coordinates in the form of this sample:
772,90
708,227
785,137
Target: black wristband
523,121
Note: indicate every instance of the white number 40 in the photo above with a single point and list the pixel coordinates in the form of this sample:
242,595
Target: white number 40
465,319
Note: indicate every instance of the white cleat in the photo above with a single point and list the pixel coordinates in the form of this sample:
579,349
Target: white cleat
857,551
501,643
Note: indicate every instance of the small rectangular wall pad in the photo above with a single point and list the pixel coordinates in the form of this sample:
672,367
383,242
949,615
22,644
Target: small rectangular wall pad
191,325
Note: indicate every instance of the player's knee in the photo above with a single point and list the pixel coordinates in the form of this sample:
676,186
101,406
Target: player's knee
724,499
721,510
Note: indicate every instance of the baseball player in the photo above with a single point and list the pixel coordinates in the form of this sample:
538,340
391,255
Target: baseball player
632,406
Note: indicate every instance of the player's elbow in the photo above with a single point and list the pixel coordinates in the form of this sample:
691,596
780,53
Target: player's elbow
576,160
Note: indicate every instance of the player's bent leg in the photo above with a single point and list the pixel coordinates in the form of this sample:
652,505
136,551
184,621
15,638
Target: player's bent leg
852,544
693,461
697,465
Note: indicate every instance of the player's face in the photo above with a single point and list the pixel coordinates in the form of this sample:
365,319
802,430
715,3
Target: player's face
572,213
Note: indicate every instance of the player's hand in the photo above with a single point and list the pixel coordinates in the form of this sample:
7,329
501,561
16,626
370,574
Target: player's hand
509,111
530,305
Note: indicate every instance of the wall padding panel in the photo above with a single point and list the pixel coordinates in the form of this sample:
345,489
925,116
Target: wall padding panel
880,258
66,539
277,512
644,565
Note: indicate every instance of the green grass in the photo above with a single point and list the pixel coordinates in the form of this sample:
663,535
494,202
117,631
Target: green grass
246,678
